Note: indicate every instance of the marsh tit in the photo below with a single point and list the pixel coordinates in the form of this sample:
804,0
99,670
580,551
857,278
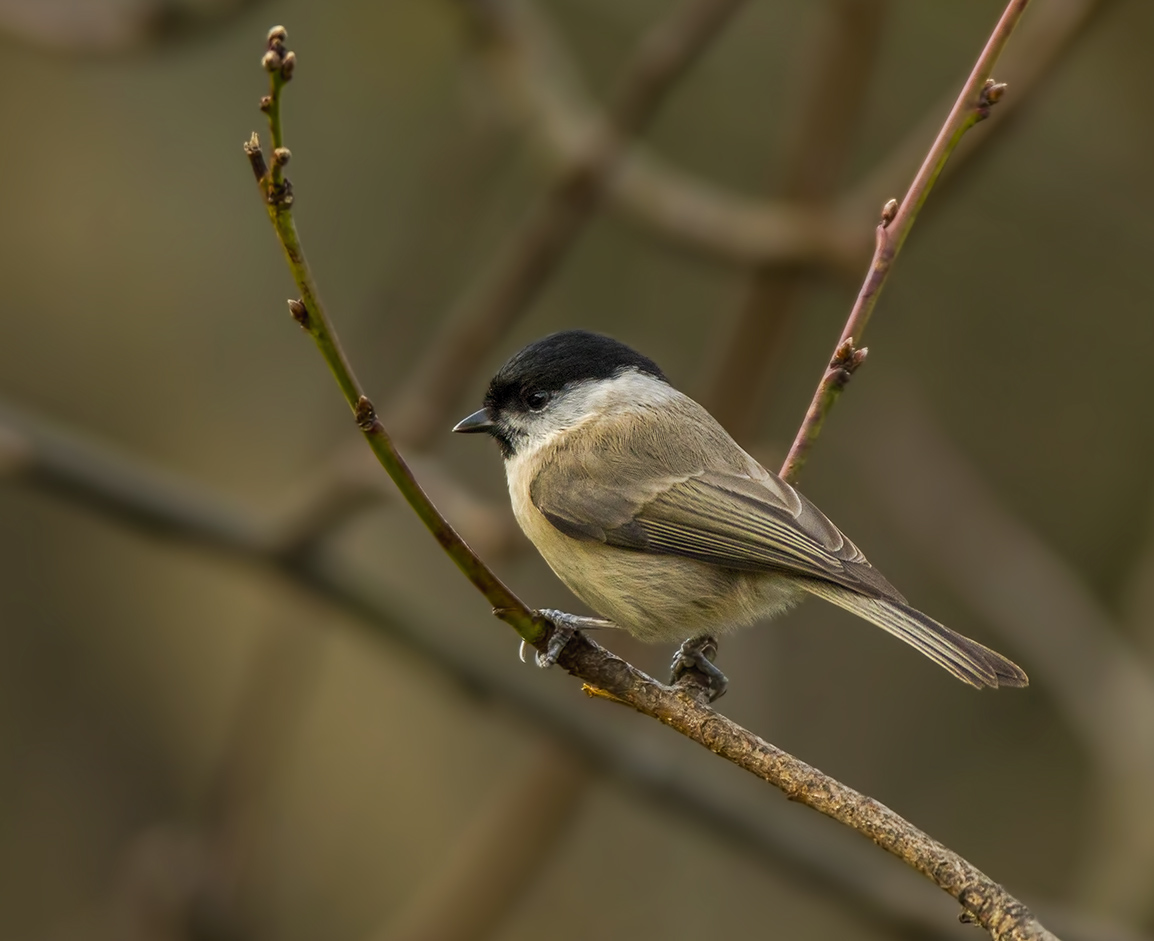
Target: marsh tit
651,514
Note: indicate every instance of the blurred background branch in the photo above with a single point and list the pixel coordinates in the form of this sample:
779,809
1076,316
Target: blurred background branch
531,253
1103,687
807,227
843,61
112,26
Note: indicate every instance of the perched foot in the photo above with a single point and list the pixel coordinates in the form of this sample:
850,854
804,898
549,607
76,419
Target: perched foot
695,658
564,626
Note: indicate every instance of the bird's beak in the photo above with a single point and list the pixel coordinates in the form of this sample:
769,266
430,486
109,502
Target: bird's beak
480,420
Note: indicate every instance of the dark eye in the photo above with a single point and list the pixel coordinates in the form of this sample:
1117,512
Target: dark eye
536,400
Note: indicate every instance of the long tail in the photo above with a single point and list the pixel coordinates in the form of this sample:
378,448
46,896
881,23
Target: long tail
968,660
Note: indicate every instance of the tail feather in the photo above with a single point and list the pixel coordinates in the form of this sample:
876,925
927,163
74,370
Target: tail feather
966,659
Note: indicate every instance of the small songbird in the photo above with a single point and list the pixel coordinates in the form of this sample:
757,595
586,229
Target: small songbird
655,517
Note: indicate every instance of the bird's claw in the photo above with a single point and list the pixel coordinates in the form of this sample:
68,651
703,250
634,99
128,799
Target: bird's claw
564,627
558,638
693,663
557,641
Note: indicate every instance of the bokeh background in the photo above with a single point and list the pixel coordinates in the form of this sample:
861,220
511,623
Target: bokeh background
243,695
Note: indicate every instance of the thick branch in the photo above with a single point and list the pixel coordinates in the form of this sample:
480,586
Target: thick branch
982,899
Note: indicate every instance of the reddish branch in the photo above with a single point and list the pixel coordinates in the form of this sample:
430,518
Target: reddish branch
973,104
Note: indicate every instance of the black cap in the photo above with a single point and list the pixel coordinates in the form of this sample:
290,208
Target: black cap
555,361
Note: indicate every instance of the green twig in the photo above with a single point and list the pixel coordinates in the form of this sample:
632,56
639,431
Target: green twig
973,104
308,311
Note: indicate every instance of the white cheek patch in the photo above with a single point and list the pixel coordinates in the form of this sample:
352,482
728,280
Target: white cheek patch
631,391
586,401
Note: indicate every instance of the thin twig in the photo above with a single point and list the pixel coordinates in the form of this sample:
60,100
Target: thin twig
983,901
1040,45
352,484
533,252
844,56
978,94
310,315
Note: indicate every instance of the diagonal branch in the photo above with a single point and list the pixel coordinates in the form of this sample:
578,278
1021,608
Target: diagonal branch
973,104
846,50
535,75
534,251
1039,47
983,901
310,315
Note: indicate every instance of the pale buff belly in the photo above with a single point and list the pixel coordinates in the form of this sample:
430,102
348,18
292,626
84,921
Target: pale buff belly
657,598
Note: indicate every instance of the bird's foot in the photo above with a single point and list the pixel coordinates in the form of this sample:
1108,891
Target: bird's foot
564,627
693,663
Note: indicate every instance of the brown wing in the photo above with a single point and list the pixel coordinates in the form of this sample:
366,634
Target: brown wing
704,508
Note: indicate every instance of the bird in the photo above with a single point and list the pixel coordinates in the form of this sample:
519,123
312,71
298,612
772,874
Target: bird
651,513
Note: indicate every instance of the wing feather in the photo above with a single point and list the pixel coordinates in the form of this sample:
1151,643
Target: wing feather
751,521
966,659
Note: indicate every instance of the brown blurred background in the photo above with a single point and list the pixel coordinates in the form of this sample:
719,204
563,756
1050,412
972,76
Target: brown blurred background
282,713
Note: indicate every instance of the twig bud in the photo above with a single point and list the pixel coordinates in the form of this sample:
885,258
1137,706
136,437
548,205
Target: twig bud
288,66
989,96
843,355
265,103
271,61
365,414
281,156
846,359
299,312
280,194
255,157
889,210
277,36
994,91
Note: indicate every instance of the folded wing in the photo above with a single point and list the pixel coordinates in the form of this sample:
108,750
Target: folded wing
755,522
